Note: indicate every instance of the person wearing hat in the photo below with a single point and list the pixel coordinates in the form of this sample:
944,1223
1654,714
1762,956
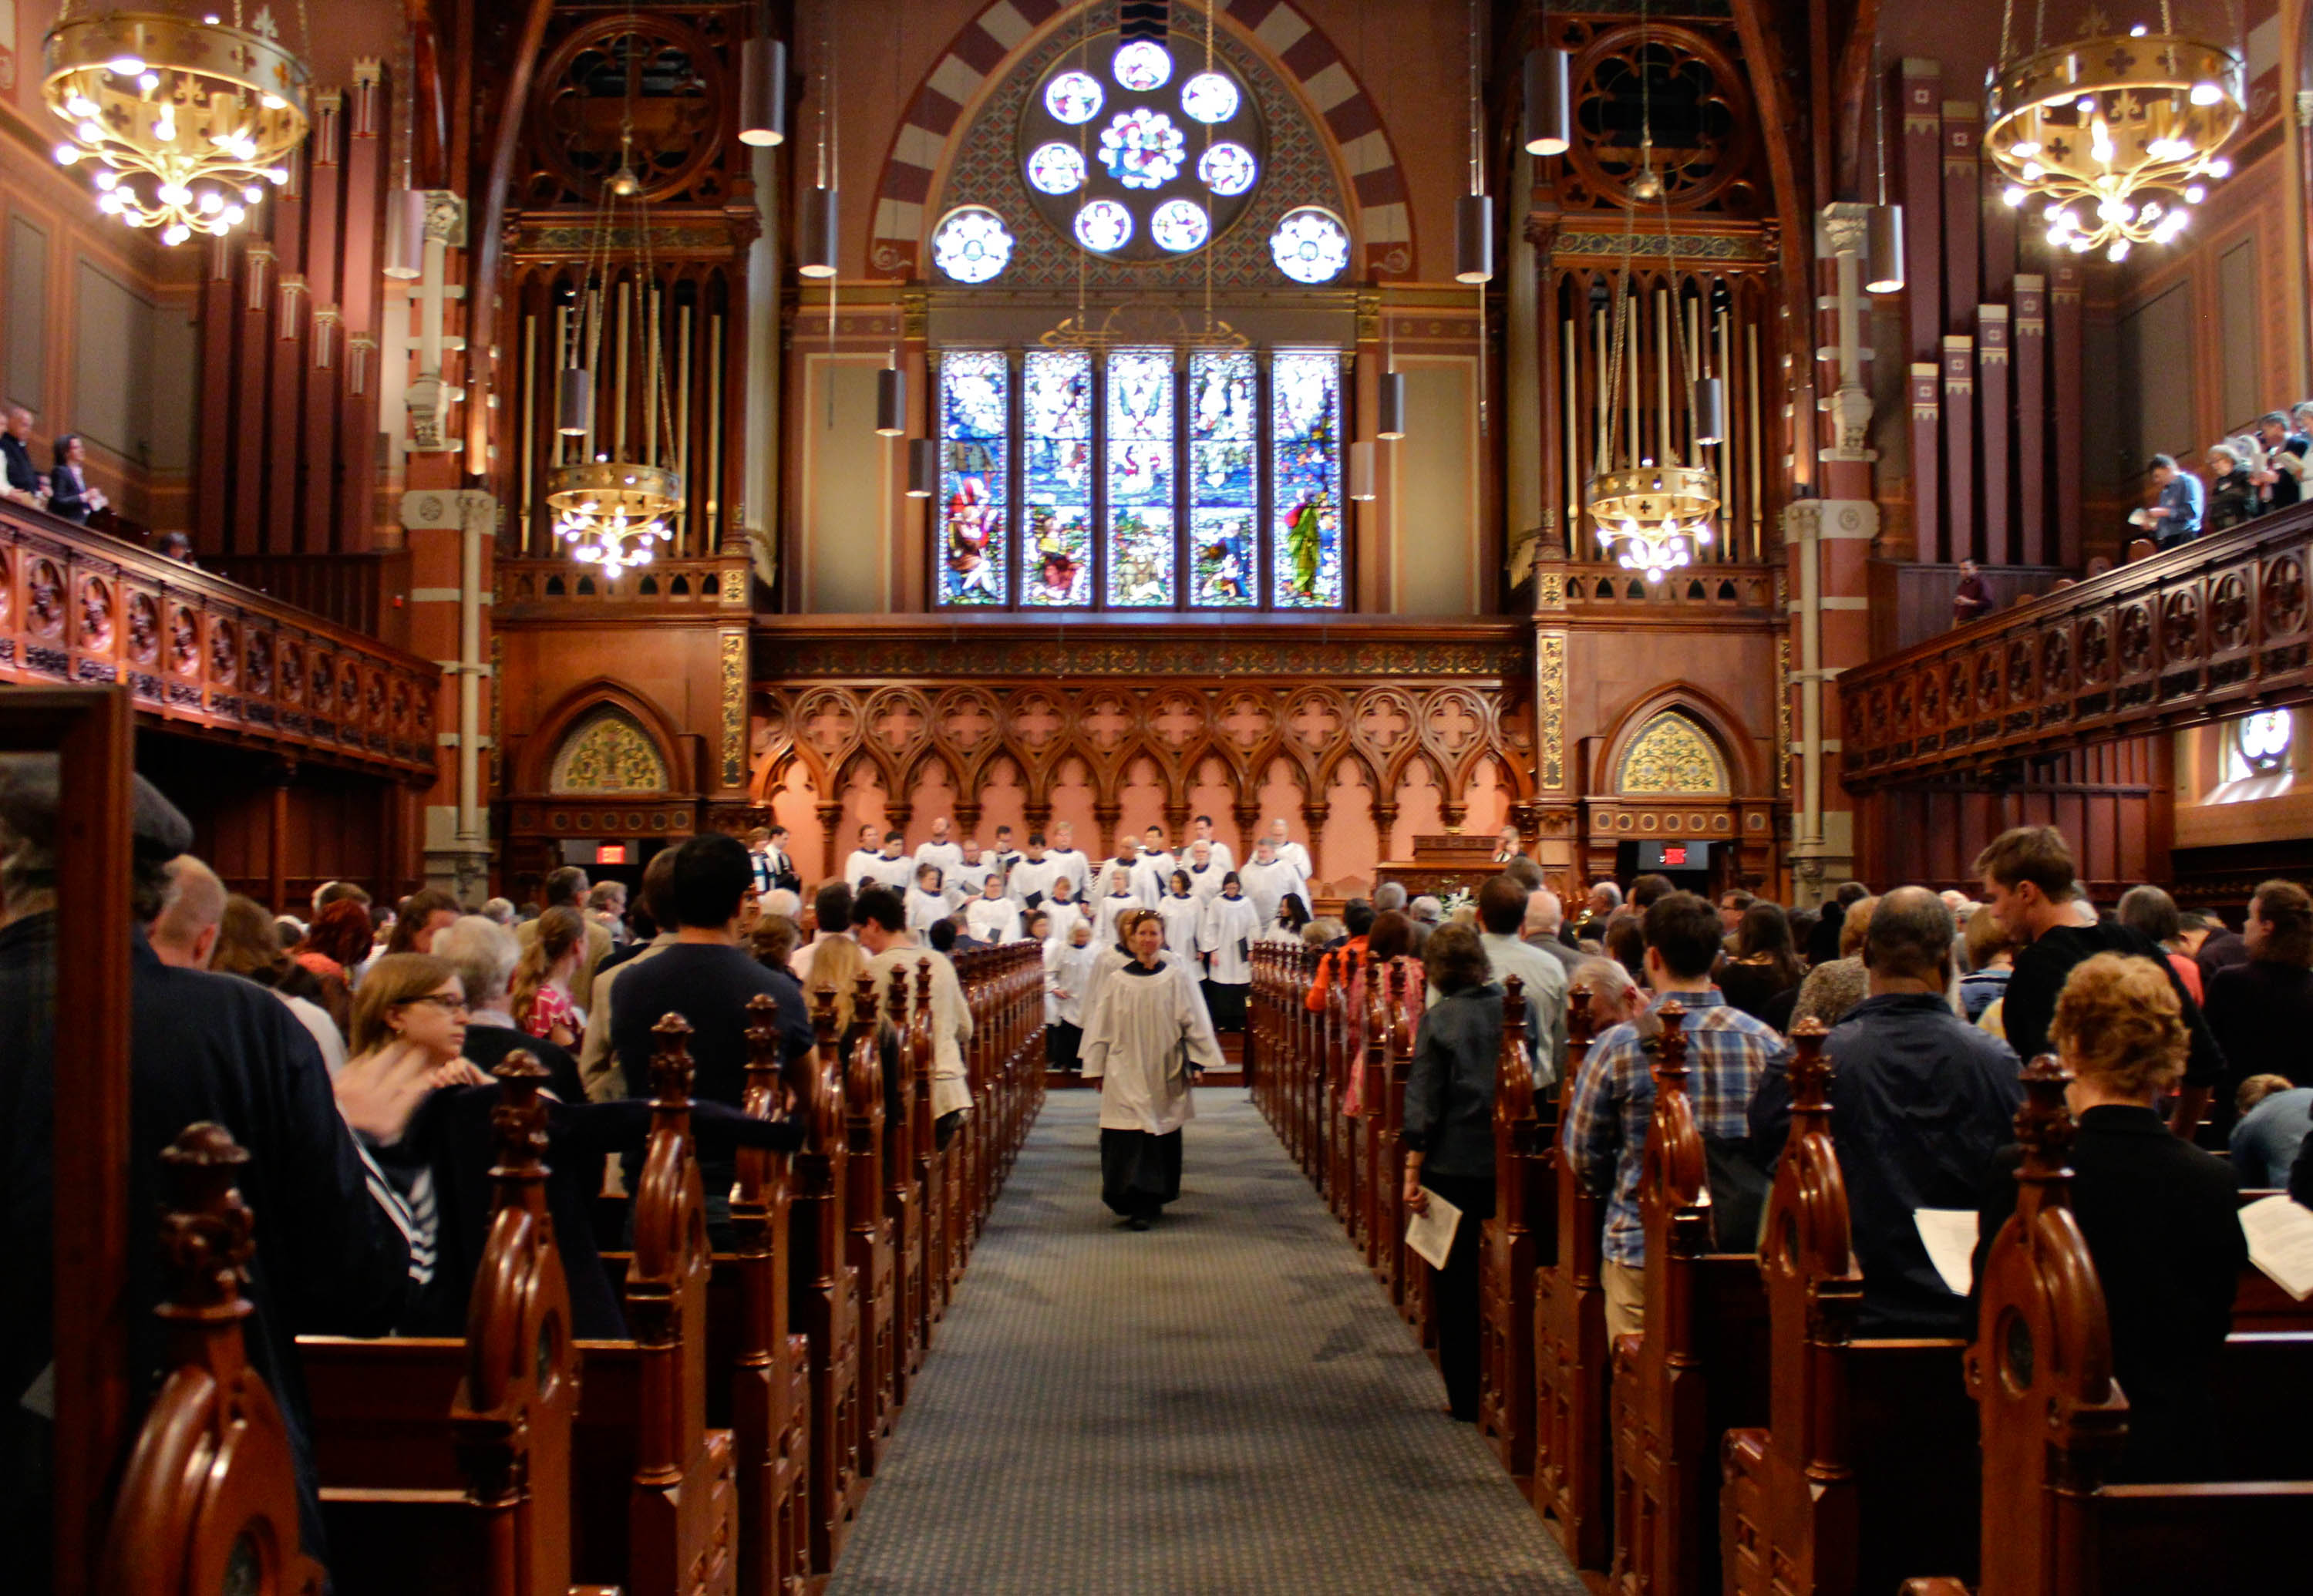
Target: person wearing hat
337,1252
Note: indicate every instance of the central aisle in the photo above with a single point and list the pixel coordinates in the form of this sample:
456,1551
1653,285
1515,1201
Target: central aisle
1227,1404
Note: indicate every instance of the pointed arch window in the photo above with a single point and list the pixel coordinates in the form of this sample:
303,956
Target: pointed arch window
1148,478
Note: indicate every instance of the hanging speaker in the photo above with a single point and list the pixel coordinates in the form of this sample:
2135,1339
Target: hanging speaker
1473,238
816,258
891,402
405,234
1883,260
1362,470
1390,414
1709,411
576,411
763,91
1549,100
923,467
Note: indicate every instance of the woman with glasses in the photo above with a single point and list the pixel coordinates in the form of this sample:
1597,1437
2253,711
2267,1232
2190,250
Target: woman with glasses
409,1028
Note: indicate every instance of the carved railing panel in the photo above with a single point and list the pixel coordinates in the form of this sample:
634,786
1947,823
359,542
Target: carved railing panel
202,653
2216,628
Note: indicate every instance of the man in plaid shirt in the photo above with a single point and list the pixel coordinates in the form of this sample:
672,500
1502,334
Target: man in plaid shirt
1728,1053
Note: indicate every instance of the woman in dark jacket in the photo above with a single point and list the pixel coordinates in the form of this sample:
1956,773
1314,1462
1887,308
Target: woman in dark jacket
1449,1136
1764,962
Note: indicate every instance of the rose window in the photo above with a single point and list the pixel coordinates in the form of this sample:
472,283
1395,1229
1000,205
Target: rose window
1310,245
970,244
1141,151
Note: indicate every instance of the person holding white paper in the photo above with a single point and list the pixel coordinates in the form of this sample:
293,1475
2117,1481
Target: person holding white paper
2161,1217
1146,1037
1449,1137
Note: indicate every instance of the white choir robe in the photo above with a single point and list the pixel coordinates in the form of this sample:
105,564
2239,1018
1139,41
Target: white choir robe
1205,885
964,883
1181,917
1223,860
1032,878
1135,1037
1068,972
925,910
1267,884
1277,930
862,864
1073,865
1163,861
946,856
1296,855
993,920
1229,923
1110,908
898,873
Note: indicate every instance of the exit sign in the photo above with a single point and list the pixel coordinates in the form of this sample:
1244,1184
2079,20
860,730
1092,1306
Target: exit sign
610,853
1674,856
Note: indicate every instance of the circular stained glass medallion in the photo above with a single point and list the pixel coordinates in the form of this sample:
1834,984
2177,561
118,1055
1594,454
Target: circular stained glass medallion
1073,97
1141,66
1228,169
1209,97
1056,168
1142,148
1310,245
1103,226
2263,739
971,244
1180,226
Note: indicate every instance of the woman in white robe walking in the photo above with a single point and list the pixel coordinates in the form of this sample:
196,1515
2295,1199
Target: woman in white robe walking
1147,1035
1231,926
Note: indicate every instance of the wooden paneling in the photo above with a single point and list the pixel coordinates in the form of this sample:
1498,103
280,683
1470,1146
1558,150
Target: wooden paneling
1911,601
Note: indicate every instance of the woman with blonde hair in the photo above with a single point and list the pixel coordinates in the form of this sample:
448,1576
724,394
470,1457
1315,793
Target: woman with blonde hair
836,963
541,995
2159,1215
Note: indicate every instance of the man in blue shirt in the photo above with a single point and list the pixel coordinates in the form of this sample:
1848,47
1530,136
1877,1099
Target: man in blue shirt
2176,515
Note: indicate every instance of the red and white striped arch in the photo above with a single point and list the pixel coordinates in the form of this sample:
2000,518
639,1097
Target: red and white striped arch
1384,220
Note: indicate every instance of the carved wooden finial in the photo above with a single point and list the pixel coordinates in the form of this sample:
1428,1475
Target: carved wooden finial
206,1234
520,1118
924,980
1578,1021
2043,1124
1810,1071
670,1065
1670,1047
865,1004
823,1017
895,1005
762,1032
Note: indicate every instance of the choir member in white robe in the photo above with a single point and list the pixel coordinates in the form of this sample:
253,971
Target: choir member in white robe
891,867
1146,1039
1289,850
1285,925
964,882
941,852
1269,878
927,901
1231,926
1029,882
1108,915
1159,858
1070,858
1068,970
1182,913
1222,856
1204,874
992,917
865,862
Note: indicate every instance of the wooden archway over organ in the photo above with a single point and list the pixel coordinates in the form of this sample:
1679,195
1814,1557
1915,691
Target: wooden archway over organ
1675,767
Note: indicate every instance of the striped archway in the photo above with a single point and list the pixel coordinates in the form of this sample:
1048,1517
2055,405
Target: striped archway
1302,54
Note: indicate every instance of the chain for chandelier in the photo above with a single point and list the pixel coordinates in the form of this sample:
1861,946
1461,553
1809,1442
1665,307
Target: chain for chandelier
189,123
2115,134
615,512
1652,515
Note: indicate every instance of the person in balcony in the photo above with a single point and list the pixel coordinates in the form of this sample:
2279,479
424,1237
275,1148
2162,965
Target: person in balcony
22,481
1973,596
2175,514
2232,497
69,494
2280,477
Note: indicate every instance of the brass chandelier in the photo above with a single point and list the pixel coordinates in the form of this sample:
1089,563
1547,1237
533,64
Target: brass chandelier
188,122
2117,135
613,508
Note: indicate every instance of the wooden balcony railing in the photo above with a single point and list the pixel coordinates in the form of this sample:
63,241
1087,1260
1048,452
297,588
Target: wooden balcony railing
558,589
2216,628
202,654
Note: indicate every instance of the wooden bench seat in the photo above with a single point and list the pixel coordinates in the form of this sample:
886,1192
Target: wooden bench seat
1516,1243
1573,1458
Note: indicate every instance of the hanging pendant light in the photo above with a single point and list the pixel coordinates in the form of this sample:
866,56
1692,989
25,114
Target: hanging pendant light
1362,470
575,408
1473,238
1389,414
764,90
816,258
890,402
405,234
923,467
1883,233
1549,102
1709,411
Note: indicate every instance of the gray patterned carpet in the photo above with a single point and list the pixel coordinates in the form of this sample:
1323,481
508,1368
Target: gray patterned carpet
1225,1404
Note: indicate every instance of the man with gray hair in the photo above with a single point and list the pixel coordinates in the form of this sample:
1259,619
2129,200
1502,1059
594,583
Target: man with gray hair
1597,909
1426,910
498,910
1924,1103
1389,898
1544,913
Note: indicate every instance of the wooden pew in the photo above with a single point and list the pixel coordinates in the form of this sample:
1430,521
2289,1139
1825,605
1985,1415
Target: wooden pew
1524,1165
1700,1368
1408,1280
825,1292
903,1205
929,1163
769,1364
2053,1418
1377,1198
1868,1466
867,1228
209,1500
1573,1455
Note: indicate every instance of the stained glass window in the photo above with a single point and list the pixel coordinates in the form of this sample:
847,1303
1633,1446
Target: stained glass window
1141,66
1056,467
1073,97
1180,226
1309,246
1056,168
1228,169
1208,97
974,494
971,244
1305,552
1140,545
1143,478
1104,225
1224,488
